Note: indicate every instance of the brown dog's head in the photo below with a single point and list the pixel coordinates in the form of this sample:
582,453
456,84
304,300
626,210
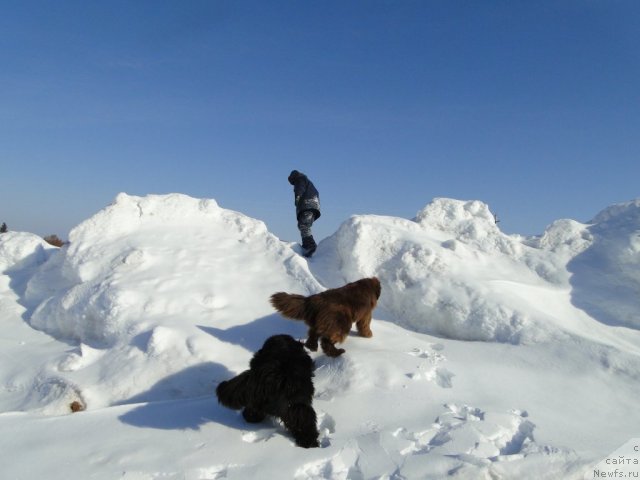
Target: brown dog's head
375,285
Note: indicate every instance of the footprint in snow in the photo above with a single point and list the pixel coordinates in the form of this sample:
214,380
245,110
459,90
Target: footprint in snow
430,370
258,435
326,427
485,436
210,473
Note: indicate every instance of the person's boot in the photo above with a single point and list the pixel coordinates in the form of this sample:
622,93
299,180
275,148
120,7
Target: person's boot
309,246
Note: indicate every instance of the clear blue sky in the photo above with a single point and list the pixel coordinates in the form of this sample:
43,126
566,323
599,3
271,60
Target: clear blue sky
530,106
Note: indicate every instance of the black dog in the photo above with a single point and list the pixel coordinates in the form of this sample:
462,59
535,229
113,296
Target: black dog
278,383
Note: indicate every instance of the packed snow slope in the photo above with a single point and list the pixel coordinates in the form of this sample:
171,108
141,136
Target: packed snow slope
493,355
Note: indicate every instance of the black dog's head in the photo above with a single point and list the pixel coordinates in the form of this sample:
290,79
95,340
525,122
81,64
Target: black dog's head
301,421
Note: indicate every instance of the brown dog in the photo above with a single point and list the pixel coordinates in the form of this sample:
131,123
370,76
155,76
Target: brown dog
330,314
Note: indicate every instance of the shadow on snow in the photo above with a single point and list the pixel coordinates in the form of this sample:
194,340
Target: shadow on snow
252,335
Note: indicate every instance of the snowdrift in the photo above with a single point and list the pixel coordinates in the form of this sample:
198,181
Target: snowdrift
159,256
156,299
140,286
606,276
452,272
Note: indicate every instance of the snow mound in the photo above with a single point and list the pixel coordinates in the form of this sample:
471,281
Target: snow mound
21,250
144,257
451,271
158,284
606,276
21,255
469,221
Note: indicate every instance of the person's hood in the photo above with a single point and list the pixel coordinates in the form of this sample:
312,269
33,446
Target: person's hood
294,176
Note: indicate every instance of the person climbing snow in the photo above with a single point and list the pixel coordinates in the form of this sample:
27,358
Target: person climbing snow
307,201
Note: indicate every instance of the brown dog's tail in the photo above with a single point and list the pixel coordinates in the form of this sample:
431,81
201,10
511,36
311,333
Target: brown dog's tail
290,305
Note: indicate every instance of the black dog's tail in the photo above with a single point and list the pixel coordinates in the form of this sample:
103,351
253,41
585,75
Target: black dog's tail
235,392
291,305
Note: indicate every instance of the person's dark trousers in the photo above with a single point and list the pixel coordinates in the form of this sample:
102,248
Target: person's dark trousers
305,221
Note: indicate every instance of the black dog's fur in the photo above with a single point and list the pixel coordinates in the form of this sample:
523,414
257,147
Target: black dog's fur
278,383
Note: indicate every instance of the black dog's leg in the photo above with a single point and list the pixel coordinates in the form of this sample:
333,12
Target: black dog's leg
252,415
329,348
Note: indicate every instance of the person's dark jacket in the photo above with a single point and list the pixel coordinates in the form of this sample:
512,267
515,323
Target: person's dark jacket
306,195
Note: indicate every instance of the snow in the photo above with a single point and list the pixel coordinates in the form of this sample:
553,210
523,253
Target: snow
493,355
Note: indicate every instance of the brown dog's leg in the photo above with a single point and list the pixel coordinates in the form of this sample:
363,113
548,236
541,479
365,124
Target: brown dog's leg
312,340
329,348
363,326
